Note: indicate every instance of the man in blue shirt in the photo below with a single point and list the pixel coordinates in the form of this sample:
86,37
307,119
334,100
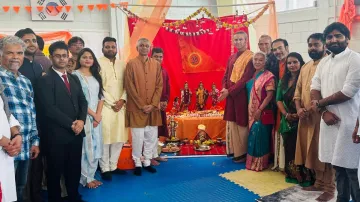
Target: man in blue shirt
19,93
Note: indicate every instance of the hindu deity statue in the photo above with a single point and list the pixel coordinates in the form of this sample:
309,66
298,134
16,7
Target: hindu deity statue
201,97
214,94
185,97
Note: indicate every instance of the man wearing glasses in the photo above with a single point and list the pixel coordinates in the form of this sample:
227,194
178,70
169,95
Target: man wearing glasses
75,44
65,109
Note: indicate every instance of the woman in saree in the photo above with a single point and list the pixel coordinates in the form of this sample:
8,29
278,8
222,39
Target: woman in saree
260,90
88,72
289,120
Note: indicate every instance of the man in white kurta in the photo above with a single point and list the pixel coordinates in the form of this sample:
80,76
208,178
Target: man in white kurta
7,173
335,94
113,114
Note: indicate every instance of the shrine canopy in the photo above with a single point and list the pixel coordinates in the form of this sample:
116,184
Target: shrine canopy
197,52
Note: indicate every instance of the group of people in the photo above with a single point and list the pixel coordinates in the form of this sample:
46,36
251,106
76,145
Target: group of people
64,117
302,116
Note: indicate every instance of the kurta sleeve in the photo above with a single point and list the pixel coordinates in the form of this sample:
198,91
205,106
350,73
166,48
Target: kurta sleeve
226,75
238,86
279,95
352,81
158,87
130,87
109,99
298,90
316,80
124,96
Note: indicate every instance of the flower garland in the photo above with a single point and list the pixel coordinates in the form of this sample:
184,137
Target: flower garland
198,33
208,13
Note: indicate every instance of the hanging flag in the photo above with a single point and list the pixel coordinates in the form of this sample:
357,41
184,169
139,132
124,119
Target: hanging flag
99,6
68,8
105,6
113,5
6,8
59,8
91,7
40,8
28,9
16,9
81,8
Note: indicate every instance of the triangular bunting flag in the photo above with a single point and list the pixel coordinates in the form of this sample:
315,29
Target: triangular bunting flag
59,8
99,6
28,9
81,8
124,4
6,8
91,7
50,8
68,8
113,5
40,8
16,9
105,6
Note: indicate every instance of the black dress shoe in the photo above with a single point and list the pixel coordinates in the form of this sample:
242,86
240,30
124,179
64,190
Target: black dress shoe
137,171
118,172
150,169
106,176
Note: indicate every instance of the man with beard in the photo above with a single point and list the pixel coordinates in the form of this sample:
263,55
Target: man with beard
280,48
307,144
20,98
75,44
113,123
31,69
335,95
238,71
158,54
39,55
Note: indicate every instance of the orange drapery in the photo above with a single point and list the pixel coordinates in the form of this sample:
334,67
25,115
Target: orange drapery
348,13
273,24
155,16
52,36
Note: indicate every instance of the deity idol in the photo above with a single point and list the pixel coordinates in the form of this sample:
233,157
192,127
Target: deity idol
201,97
185,97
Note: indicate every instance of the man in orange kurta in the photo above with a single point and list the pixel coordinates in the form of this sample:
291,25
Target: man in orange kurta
143,84
239,70
307,144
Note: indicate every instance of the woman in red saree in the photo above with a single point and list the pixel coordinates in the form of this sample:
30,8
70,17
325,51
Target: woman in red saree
260,90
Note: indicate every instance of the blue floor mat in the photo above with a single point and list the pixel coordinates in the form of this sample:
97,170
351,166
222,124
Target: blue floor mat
185,179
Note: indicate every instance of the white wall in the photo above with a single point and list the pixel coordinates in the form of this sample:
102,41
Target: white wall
297,25
91,26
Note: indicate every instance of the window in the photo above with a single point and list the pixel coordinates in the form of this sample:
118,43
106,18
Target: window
281,5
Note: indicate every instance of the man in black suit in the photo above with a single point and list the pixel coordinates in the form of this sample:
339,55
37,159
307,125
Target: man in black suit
64,107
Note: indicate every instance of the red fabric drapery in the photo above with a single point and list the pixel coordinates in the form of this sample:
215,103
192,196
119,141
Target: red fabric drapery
348,13
195,58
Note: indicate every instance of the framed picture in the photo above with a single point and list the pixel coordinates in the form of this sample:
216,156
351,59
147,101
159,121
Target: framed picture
54,10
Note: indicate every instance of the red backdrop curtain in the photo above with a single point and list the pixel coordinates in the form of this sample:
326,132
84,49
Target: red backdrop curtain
195,58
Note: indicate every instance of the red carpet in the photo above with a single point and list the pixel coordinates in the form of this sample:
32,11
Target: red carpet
188,150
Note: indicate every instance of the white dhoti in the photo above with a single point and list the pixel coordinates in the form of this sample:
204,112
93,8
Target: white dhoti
110,157
143,137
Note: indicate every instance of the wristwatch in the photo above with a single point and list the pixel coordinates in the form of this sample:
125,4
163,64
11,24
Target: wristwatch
12,137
